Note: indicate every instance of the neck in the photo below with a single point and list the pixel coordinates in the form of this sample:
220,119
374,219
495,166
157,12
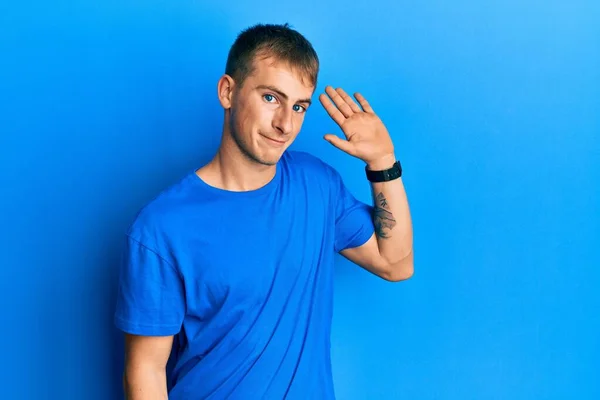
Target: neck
231,169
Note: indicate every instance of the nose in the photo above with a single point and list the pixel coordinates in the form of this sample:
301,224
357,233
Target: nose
283,121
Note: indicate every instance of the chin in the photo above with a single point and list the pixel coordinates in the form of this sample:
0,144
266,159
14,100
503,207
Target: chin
268,158
268,155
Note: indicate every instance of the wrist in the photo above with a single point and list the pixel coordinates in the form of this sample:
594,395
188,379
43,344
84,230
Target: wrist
384,169
381,163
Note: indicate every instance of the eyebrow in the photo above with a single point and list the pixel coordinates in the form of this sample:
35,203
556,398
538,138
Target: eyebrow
279,92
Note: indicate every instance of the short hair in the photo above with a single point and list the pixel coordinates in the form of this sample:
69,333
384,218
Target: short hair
271,40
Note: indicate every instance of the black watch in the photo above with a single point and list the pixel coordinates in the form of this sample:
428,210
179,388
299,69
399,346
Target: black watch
385,175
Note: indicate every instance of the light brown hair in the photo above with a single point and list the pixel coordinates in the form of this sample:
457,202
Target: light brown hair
281,42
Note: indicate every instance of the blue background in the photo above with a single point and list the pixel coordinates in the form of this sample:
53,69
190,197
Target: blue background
494,108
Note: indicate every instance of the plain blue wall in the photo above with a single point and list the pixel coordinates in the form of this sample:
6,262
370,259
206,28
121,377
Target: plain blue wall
495,111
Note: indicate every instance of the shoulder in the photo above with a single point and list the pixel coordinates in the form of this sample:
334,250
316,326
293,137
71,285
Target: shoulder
158,219
306,163
313,175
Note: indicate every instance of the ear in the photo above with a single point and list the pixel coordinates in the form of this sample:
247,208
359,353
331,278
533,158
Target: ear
225,91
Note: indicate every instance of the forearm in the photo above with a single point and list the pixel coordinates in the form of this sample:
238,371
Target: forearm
391,217
145,383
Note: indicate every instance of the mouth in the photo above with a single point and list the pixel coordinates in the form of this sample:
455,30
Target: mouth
274,142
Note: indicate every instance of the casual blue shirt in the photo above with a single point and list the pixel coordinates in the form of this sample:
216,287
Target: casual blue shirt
244,280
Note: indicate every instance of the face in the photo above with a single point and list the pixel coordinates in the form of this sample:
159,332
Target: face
265,115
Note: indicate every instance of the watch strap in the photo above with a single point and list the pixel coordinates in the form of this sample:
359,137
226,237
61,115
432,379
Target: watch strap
385,175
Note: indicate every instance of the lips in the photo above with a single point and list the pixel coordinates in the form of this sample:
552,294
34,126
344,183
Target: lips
275,141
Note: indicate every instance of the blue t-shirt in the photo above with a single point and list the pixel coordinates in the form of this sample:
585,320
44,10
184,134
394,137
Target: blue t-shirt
244,280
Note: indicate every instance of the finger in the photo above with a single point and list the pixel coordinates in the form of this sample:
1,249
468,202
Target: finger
341,144
332,110
353,106
363,102
339,102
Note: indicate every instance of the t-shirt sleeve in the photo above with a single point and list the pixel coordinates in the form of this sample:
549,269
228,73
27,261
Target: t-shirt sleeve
353,219
150,296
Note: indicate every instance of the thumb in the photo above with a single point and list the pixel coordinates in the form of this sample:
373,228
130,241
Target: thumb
341,144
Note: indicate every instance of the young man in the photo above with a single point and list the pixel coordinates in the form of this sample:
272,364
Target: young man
230,270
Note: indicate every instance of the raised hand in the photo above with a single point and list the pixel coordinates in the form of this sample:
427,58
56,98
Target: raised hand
366,136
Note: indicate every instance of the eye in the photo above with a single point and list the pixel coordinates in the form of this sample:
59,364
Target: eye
269,97
299,108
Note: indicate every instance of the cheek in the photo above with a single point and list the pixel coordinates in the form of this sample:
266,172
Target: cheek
245,121
259,116
298,123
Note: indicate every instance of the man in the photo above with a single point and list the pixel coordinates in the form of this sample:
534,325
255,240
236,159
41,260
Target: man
230,270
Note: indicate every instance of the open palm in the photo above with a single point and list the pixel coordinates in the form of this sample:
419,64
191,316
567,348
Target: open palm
366,136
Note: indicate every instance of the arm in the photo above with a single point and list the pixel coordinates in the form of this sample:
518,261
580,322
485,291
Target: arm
145,367
150,309
389,252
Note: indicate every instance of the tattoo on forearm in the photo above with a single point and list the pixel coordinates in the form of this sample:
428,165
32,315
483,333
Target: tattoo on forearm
382,217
